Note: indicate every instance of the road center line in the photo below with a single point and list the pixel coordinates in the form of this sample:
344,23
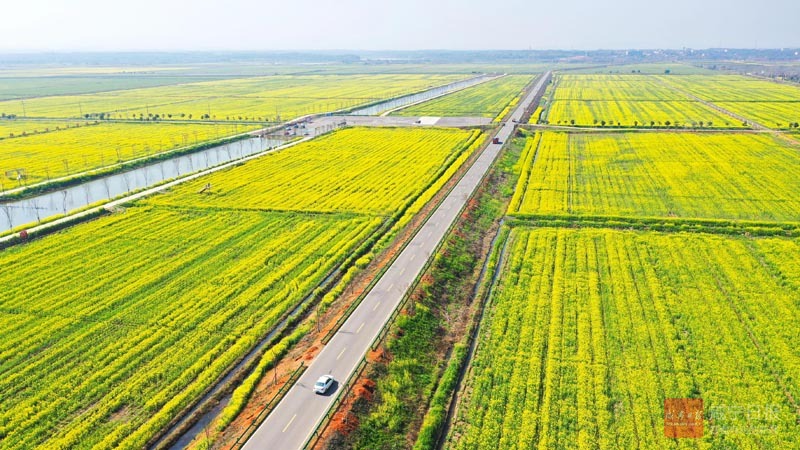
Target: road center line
376,305
360,327
390,287
341,353
290,422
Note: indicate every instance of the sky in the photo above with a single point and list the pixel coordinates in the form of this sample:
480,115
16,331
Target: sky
170,25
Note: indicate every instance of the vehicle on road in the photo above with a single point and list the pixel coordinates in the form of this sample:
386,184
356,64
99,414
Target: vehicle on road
323,384
496,141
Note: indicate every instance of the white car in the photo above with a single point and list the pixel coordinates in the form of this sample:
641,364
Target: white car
323,384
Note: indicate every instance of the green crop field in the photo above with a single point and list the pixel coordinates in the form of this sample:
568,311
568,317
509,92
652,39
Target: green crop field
485,100
588,331
684,175
245,99
40,86
111,327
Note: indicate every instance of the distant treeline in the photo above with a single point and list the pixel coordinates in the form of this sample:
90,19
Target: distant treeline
421,56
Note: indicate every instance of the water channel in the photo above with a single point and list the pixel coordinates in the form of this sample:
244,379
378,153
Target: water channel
35,209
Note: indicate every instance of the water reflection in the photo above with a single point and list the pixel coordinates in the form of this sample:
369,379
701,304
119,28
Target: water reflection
38,208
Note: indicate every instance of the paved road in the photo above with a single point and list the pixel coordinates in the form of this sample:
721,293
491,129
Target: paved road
295,418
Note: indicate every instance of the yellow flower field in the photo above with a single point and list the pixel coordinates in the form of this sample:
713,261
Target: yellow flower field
685,175
251,99
485,100
613,87
365,170
599,113
109,328
734,88
588,331
75,150
772,104
629,101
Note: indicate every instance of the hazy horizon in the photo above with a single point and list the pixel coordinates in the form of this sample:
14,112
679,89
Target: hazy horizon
360,25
